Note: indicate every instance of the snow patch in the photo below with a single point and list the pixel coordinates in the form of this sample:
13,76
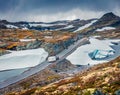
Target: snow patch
25,28
11,26
85,26
81,55
69,26
27,40
45,25
35,25
106,28
22,59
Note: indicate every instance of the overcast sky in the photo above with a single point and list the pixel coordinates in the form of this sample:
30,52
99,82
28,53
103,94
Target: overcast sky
52,10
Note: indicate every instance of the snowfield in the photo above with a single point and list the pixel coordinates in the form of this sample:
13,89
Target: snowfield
69,26
45,25
11,26
27,40
22,59
81,55
85,26
105,28
25,28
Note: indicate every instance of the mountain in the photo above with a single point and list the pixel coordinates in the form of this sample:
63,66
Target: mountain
66,76
3,24
109,16
65,25
107,20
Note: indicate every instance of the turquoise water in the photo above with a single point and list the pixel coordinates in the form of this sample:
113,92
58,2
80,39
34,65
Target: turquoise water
4,75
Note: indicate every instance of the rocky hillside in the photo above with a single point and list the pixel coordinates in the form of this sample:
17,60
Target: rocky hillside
102,79
3,24
65,25
110,34
107,20
52,41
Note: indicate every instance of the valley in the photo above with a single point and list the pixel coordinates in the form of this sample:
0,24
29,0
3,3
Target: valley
87,50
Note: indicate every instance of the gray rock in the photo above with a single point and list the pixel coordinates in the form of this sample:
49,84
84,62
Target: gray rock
34,45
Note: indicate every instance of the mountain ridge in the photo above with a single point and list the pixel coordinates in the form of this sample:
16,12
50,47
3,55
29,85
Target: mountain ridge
108,19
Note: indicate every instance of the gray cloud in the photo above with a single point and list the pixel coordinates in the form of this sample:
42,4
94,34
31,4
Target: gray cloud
49,10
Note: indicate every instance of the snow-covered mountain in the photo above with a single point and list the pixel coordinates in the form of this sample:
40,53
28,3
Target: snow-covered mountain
107,20
66,25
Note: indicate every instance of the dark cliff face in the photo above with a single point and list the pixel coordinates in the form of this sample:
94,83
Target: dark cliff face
107,20
2,24
109,16
55,48
116,24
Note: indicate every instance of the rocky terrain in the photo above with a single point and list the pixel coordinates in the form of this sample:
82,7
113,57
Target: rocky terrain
57,40
62,78
53,41
65,25
101,79
107,20
2,52
111,34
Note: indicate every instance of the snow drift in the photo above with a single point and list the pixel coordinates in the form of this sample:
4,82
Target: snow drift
22,59
81,55
85,26
105,28
11,26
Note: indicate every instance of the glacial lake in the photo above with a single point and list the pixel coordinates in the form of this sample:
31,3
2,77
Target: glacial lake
6,74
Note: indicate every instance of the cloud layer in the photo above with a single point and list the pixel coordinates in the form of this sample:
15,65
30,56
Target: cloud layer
51,10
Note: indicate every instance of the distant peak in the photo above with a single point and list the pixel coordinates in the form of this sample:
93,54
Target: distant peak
110,16
77,20
110,13
4,21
